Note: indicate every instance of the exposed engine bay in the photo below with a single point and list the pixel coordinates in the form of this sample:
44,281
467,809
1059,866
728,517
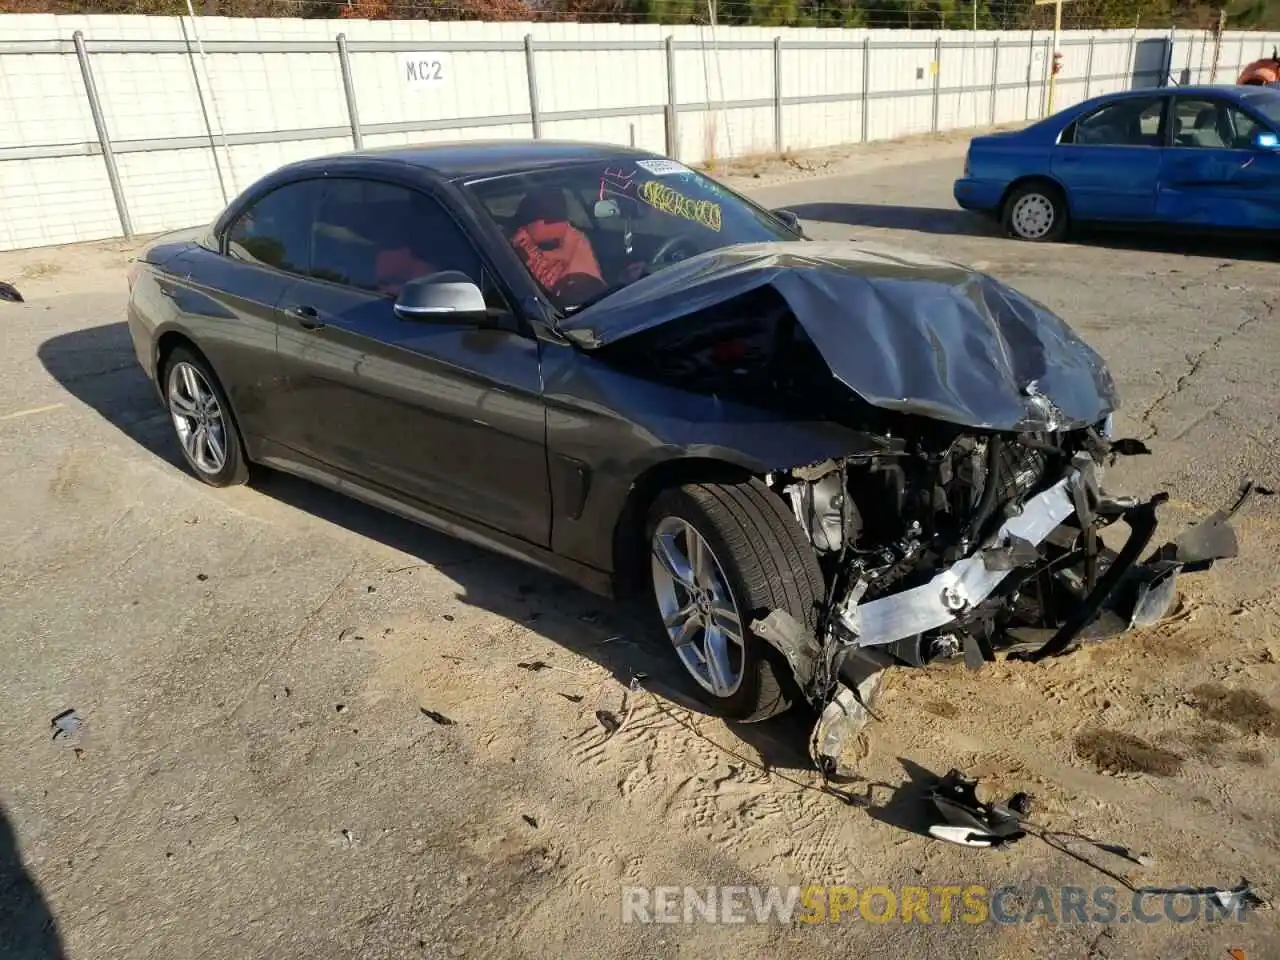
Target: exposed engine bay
886,523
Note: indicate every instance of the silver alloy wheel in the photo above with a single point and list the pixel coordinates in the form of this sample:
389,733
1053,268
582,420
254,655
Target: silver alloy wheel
697,607
1033,216
197,418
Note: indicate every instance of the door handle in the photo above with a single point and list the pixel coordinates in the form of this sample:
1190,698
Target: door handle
306,317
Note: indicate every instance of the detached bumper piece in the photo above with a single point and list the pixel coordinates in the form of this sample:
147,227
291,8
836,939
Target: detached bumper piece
964,819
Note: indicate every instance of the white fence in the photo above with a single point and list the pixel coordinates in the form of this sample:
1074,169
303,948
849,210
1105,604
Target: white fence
115,126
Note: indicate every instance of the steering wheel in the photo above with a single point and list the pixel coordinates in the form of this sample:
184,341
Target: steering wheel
662,256
574,288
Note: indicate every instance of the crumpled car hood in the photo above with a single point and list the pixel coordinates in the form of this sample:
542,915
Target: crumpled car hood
907,333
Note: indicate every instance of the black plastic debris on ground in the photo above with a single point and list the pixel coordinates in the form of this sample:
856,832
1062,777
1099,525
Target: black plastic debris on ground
609,721
572,697
436,717
534,666
966,820
9,292
66,724
531,821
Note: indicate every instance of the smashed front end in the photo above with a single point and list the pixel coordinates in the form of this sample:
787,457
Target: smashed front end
958,544
965,515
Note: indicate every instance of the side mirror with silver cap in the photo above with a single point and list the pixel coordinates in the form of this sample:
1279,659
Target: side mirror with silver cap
449,296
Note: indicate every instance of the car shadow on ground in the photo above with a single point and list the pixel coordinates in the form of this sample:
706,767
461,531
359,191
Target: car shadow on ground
98,367
955,222
27,928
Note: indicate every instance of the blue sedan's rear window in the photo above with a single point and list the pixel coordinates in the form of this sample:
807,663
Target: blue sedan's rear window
1266,100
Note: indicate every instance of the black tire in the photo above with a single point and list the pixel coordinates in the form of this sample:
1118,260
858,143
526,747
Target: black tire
1045,196
235,468
768,564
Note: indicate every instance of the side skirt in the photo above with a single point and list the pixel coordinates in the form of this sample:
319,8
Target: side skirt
273,455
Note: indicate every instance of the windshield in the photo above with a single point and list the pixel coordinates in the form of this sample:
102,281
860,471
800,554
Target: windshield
588,229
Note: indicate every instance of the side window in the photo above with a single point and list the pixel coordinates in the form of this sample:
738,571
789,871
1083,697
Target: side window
379,236
1126,123
276,230
1201,122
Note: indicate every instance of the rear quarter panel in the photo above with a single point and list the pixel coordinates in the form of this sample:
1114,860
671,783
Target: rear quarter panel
996,163
227,310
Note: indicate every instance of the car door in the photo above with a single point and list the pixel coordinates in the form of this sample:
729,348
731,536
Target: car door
230,297
1109,160
444,412
1213,174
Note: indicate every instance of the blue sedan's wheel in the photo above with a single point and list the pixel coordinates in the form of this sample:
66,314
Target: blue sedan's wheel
1036,212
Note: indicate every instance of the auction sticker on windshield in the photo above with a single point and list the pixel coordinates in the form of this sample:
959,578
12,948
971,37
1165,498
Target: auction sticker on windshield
662,168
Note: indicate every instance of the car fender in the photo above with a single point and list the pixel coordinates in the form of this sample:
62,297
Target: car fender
656,434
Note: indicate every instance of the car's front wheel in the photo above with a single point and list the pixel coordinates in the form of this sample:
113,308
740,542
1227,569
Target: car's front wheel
202,420
722,555
1036,211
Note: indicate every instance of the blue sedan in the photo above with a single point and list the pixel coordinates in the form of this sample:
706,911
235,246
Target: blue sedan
1182,157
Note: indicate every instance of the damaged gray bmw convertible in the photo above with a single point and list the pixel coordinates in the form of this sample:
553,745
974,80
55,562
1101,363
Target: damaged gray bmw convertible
815,458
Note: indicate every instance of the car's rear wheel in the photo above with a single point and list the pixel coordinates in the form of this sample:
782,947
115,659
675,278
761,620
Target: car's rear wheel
202,420
1036,211
722,555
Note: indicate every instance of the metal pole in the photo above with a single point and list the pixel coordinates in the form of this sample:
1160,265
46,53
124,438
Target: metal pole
1088,70
1057,29
1031,61
535,114
866,87
349,88
673,114
995,77
1045,78
1133,66
104,138
1217,45
777,94
204,111
213,100
937,78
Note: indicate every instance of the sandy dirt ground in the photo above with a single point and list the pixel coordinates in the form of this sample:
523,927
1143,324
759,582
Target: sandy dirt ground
312,730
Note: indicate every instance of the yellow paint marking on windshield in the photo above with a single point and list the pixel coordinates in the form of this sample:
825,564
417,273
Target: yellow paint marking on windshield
676,204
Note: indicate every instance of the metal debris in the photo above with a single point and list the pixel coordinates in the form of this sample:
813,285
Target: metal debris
66,724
